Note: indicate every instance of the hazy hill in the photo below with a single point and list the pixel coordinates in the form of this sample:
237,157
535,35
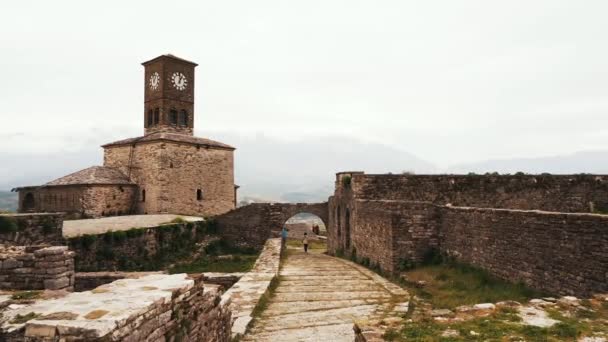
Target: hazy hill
579,162
8,201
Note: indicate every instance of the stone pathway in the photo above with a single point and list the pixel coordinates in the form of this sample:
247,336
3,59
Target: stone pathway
319,297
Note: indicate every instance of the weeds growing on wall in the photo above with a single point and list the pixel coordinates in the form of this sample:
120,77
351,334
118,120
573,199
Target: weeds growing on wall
346,181
129,251
8,224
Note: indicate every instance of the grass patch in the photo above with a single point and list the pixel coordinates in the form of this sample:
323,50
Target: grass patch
451,285
239,263
8,224
26,295
491,328
24,318
242,259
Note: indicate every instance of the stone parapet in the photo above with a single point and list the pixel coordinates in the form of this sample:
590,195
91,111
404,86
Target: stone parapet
85,281
36,268
151,308
245,295
31,229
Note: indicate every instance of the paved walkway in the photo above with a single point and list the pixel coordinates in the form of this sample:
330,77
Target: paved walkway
320,297
73,228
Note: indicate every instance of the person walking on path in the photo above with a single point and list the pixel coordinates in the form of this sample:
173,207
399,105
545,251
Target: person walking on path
284,236
305,242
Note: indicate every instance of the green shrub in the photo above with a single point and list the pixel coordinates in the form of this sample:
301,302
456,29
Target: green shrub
8,224
48,226
88,240
211,225
346,181
23,295
178,219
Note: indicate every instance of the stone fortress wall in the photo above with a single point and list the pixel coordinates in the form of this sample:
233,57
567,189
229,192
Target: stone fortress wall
396,220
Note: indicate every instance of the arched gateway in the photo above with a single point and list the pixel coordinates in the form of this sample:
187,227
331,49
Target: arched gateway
253,224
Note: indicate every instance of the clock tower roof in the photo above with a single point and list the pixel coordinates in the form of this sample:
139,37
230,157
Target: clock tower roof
170,57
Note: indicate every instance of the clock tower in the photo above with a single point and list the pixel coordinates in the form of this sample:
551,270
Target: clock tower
169,95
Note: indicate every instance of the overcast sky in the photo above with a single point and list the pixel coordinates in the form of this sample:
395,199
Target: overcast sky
447,81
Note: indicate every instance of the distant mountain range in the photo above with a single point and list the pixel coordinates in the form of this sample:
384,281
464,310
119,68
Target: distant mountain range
271,170
579,162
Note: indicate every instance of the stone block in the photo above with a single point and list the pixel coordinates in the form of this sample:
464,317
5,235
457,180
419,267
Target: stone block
56,284
11,263
54,250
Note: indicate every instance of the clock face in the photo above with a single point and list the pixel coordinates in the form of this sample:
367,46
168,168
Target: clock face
179,81
154,81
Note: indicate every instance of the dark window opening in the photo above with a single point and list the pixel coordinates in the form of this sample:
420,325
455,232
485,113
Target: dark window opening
347,228
143,195
28,201
173,117
150,118
199,195
183,118
338,220
171,165
156,116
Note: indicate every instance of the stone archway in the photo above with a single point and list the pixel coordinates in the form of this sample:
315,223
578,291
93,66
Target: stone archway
308,223
252,224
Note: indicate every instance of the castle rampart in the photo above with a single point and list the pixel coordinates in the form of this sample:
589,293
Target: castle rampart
560,252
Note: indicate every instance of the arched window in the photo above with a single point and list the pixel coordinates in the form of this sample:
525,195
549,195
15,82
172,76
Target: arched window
173,117
150,118
199,194
183,118
143,195
28,202
156,116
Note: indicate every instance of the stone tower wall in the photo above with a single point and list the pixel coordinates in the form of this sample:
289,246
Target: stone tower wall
171,173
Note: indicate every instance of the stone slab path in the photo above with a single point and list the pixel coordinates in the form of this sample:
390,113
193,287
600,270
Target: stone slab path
319,297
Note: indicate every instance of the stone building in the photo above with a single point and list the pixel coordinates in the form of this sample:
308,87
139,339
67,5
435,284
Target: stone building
167,170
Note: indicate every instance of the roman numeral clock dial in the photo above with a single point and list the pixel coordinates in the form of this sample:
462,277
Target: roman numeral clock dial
179,81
